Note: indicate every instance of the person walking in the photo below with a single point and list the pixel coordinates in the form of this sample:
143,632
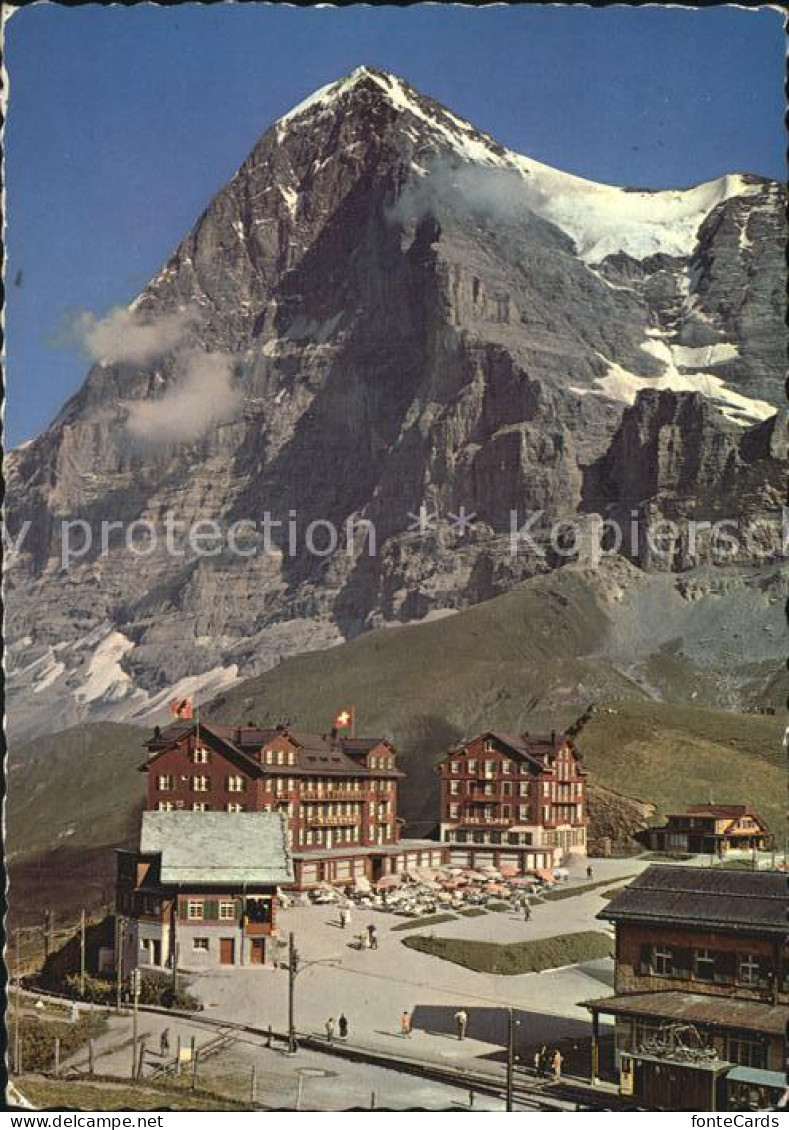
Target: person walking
372,934
164,1042
461,1019
405,1024
342,1026
330,1030
542,1068
526,912
343,917
556,1064
538,1061
589,872
347,909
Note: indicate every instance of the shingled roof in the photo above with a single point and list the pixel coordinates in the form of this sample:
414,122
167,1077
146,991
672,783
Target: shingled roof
740,901
314,753
696,1008
527,747
219,847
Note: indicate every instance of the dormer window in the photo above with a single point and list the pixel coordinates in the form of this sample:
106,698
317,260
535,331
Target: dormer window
488,746
200,755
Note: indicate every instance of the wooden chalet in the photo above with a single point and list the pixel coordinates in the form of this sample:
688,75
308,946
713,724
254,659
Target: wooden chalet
701,988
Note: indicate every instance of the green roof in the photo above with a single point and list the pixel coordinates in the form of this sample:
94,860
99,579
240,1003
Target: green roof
219,847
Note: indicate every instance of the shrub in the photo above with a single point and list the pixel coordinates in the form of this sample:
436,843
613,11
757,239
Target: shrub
38,1038
98,990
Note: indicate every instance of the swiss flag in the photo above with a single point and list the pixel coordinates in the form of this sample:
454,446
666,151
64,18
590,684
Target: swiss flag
344,719
181,708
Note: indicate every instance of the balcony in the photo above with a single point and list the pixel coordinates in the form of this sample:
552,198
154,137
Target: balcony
330,796
484,821
333,821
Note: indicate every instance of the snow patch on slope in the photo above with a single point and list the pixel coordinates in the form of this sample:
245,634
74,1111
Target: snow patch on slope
601,219
106,679
621,385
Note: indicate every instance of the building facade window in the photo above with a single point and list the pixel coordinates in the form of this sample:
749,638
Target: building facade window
200,784
200,756
236,784
231,807
662,962
750,971
704,965
227,910
164,783
195,909
200,945
747,1053
200,806
165,806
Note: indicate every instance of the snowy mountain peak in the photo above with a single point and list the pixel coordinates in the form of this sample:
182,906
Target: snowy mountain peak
445,129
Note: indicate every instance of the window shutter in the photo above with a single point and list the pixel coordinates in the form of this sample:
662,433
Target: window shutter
644,961
211,909
683,964
725,966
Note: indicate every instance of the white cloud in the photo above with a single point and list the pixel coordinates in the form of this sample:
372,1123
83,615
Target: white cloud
127,336
200,396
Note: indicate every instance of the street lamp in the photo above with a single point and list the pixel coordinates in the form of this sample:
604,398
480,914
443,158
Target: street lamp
512,1024
296,966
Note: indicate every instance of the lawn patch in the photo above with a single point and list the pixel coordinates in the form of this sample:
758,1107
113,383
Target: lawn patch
663,856
108,1095
428,920
516,957
499,907
557,893
472,912
736,864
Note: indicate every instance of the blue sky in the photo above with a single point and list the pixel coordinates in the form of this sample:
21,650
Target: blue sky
125,121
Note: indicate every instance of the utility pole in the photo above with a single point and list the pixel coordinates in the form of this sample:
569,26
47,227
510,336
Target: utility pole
296,966
18,1010
175,970
121,930
293,965
510,1057
135,987
47,931
82,954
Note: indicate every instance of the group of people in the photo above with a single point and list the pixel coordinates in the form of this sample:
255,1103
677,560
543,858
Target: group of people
368,939
342,1028
547,1064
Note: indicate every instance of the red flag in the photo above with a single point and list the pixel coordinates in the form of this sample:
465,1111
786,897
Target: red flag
181,707
344,719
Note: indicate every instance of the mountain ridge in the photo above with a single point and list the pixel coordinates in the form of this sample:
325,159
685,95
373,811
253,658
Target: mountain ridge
367,328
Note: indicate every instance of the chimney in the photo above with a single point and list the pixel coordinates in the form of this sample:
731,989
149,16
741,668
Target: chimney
334,733
280,727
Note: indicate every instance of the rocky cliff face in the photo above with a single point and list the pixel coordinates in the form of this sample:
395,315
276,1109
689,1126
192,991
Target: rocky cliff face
408,326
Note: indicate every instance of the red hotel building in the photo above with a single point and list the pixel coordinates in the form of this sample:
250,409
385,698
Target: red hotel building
339,794
513,801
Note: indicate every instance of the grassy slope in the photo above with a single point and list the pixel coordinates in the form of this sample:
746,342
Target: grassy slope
72,797
76,789
520,661
676,755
